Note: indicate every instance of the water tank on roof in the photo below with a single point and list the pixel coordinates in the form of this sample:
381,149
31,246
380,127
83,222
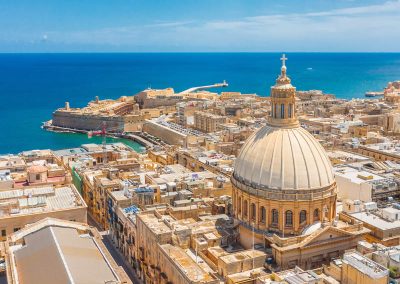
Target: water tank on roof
396,205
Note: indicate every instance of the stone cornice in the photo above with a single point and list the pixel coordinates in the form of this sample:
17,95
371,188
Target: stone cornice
286,195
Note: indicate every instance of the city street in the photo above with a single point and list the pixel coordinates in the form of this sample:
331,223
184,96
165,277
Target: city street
118,257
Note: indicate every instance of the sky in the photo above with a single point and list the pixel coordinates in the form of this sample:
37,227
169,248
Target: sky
199,26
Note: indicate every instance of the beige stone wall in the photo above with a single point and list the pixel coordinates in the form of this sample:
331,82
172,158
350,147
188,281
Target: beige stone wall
147,246
314,256
87,122
377,155
12,223
207,122
165,134
351,275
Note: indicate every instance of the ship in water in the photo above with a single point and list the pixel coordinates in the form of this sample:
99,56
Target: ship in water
373,94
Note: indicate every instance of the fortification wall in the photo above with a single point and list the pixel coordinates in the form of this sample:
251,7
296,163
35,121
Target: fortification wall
87,122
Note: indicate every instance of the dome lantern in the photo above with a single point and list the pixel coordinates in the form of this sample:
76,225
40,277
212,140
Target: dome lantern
283,100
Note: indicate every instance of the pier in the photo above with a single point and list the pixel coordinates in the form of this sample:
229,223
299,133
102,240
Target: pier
193,89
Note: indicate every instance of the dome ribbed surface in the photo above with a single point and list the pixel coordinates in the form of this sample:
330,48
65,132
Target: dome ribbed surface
283,158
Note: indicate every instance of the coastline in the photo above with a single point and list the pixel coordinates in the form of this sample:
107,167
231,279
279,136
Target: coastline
33,86
135,137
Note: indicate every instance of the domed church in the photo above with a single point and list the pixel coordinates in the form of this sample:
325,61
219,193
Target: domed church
283,184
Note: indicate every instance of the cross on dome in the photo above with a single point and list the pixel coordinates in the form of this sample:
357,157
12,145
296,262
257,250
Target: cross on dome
283,59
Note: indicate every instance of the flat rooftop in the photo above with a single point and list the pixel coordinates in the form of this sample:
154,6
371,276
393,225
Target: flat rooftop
356,176
390,148
156,225
338,154
365,265
242,255
69,152
186,264
28,201
376,221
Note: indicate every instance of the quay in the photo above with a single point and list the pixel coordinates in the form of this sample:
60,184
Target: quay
137,136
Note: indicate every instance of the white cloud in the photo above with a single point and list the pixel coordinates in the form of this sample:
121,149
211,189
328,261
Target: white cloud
364,28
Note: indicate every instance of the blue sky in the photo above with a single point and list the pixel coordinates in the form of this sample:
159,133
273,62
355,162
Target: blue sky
199,25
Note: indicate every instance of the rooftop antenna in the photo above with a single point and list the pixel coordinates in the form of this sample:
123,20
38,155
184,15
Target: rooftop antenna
283,223
196,249
253,244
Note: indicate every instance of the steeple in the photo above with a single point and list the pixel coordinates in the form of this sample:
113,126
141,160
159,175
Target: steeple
283,100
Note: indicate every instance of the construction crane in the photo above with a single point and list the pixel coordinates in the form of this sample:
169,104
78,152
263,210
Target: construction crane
102,133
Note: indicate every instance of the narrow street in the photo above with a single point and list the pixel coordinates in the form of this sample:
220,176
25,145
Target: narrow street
115,253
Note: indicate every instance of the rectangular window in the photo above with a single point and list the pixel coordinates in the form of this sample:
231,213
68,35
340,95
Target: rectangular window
3,233
282,111
16,229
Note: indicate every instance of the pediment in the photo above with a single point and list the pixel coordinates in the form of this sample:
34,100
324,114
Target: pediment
324,235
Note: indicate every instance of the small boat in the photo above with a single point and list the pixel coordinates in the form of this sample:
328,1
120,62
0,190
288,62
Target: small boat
373,94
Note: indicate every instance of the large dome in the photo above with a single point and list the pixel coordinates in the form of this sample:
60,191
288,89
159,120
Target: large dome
283,158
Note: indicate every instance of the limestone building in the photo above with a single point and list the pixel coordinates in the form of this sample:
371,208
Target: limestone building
284,185
58,251
283,178
208,122
19,207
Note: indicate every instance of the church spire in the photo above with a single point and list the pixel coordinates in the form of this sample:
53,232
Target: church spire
283,100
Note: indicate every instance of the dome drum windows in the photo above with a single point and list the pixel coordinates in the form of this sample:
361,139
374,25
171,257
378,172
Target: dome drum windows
288,218
303,217
253,212
245,209
274,218
316,214
262,214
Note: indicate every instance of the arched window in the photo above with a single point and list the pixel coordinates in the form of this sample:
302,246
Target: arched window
288,218
316,214
262,214
303,216
276,111
253,211
240,205
290,110
282,111
275,217
245,208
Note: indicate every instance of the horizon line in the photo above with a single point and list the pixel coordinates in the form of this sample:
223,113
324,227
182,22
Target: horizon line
183,52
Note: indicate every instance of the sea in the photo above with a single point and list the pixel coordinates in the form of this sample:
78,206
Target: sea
32,86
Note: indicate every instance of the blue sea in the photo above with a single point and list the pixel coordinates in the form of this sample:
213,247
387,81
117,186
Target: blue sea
32,86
